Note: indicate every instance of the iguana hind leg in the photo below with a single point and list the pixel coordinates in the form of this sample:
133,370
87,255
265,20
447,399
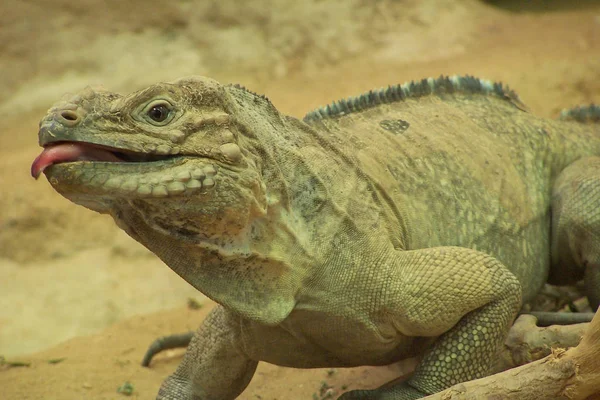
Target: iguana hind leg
576,227
470,298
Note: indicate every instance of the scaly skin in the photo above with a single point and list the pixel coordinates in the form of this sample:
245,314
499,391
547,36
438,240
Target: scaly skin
409,221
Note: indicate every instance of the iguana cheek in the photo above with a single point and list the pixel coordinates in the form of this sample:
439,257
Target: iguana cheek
231,151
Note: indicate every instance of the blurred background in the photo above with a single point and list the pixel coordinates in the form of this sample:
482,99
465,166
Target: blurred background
66,272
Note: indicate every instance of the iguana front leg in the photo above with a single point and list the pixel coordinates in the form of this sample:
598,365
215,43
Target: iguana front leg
214,366
470,298
576,227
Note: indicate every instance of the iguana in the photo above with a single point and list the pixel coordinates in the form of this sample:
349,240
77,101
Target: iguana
410,220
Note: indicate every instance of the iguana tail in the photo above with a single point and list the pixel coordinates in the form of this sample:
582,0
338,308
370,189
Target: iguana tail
545,318
165,343
585,114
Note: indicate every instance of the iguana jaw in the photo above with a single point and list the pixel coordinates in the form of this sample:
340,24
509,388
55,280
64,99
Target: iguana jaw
193,197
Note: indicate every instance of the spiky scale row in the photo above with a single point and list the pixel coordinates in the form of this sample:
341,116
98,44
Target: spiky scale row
585,114
262,96
424,87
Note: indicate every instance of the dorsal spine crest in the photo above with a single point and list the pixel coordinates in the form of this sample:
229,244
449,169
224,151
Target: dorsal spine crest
261,96
413,89
584,114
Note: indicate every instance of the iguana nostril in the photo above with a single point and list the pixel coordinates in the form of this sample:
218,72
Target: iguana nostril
68,117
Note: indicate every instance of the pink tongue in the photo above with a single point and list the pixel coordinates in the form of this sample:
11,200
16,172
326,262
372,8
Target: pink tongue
65,152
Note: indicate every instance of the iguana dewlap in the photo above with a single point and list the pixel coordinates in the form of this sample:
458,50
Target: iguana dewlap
410,220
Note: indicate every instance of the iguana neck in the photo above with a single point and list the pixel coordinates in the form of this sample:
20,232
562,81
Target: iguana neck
255,284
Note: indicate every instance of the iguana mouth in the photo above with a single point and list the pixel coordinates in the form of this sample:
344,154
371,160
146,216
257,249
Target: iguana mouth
63,152
123,172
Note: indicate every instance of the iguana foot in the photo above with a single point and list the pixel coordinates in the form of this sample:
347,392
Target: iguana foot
399,392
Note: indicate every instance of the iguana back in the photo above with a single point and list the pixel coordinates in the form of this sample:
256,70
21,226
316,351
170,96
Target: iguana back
459,162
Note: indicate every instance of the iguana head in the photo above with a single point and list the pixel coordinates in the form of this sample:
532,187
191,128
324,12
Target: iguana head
171,153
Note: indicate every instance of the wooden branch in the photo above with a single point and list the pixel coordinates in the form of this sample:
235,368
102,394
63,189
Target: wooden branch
527,342
572,374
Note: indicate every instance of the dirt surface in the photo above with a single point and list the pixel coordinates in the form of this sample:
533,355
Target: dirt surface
93,367
66,272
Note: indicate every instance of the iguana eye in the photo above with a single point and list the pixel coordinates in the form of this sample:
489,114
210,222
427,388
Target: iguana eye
159,112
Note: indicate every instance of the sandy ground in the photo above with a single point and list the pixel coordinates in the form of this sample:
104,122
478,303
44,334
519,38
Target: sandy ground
95,366
70,276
